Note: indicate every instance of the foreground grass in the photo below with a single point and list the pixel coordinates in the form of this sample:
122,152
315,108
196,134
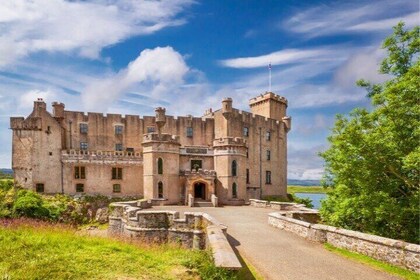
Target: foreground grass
308,189
47,252
401,272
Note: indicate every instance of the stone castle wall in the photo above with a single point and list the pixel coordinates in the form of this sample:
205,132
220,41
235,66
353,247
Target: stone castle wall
392,251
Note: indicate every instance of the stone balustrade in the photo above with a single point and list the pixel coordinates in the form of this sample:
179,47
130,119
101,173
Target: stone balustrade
229,141
202,172
99,156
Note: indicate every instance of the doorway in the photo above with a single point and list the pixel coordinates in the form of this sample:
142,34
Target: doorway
200,191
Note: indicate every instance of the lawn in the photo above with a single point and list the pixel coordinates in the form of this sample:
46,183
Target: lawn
36,250
307,189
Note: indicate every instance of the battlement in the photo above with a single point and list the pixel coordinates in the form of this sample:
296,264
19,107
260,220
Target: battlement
19,123
267,96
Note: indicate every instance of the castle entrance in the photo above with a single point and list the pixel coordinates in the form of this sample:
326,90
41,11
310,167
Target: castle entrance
200,190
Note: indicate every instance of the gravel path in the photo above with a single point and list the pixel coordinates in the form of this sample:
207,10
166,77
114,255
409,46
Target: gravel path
278,254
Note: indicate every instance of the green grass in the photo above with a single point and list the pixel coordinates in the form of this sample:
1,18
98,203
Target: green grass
401,272
40,251
308,189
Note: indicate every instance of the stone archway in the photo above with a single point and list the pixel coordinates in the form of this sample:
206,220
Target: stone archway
200,190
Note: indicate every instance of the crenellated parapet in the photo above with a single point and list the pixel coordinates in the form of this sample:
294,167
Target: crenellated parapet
266,97
20,123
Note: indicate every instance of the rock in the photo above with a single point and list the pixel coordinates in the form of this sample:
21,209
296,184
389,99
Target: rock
102,215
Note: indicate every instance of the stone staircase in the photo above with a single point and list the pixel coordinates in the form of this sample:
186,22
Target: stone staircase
203,203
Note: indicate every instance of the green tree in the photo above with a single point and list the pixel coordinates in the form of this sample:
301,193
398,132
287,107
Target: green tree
373,160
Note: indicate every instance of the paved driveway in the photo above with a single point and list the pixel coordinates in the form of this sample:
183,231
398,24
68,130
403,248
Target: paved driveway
278,254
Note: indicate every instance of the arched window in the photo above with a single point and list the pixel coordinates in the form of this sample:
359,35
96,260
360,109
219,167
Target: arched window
234,167
234,190
160,166
160,190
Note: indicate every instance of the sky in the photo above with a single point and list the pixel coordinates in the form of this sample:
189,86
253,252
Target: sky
128,57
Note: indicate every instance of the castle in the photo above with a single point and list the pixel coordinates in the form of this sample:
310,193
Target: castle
224,157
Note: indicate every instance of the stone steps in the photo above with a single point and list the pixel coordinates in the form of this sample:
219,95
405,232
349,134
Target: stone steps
203,204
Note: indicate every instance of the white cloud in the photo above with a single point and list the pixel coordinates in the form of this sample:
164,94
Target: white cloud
351,17
156,71
83,27
277,58
26,100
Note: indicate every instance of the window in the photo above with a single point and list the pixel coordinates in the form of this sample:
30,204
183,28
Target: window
80,187
160,166
116,173
247,176
268,135
189,132
196,164
116,188
246,131
268,177
160,190
234,166
79,172
150,129
247,153
118,129
234,190
83,128
118,147
83,146
268,155
39,187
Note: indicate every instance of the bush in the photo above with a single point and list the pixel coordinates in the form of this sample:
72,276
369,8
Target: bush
29,204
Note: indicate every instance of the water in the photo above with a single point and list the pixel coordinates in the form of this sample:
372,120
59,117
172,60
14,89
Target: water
315,197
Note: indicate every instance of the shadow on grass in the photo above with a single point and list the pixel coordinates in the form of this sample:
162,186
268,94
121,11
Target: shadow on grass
246,272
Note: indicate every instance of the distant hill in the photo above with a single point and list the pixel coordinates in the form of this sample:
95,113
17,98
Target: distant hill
6,171
296,182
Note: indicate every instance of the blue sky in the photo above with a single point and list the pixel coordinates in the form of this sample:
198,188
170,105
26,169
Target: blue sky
131,56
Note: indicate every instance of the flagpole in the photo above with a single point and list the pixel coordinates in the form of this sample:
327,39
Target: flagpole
269,77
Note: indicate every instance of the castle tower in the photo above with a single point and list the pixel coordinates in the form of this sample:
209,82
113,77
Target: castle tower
269,105
161,164
230,166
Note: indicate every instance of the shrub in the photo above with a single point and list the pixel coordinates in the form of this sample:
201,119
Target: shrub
29,204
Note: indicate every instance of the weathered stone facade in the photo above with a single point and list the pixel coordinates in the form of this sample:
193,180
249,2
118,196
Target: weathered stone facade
224,157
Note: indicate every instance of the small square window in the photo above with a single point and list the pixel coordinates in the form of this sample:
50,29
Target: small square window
83,128
116,173
150,129
80,187
189,132
268,136
118,147
39,188
246,131
79,172
83,146
118,129
116,188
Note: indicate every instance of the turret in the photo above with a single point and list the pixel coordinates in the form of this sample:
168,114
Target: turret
226,106
269,105
160,118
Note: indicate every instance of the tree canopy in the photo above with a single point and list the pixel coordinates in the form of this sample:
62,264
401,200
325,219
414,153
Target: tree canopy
373,160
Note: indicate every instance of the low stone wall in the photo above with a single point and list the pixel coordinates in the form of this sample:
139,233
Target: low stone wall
196,230
392,251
